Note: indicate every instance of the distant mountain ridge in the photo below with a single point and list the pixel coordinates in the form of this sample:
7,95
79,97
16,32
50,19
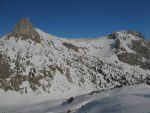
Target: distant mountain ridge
34,61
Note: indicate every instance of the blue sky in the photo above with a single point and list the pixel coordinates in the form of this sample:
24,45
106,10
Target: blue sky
77,18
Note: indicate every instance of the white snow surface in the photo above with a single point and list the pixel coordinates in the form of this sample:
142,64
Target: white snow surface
128,99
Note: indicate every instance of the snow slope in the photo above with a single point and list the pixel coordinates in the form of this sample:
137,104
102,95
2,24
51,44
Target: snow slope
128,99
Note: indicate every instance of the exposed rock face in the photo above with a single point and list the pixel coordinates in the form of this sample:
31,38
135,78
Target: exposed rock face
23,27
25,30
142,48
70,46
113,36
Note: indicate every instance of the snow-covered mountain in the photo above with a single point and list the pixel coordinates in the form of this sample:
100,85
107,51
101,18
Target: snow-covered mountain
36,64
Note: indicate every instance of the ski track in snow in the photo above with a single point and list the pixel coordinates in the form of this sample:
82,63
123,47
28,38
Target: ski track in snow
128,99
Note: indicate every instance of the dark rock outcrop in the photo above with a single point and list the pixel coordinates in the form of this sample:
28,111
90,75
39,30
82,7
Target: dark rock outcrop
25,30
113,36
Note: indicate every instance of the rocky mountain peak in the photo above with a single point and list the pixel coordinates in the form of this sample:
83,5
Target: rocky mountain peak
23,27
125,34
135,33
25,30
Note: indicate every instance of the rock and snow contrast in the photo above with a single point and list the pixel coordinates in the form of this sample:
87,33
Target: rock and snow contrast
36,67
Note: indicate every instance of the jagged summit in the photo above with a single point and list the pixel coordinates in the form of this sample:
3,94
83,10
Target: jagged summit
23,27
25,30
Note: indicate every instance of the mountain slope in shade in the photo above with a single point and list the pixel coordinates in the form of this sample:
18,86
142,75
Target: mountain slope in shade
35,64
